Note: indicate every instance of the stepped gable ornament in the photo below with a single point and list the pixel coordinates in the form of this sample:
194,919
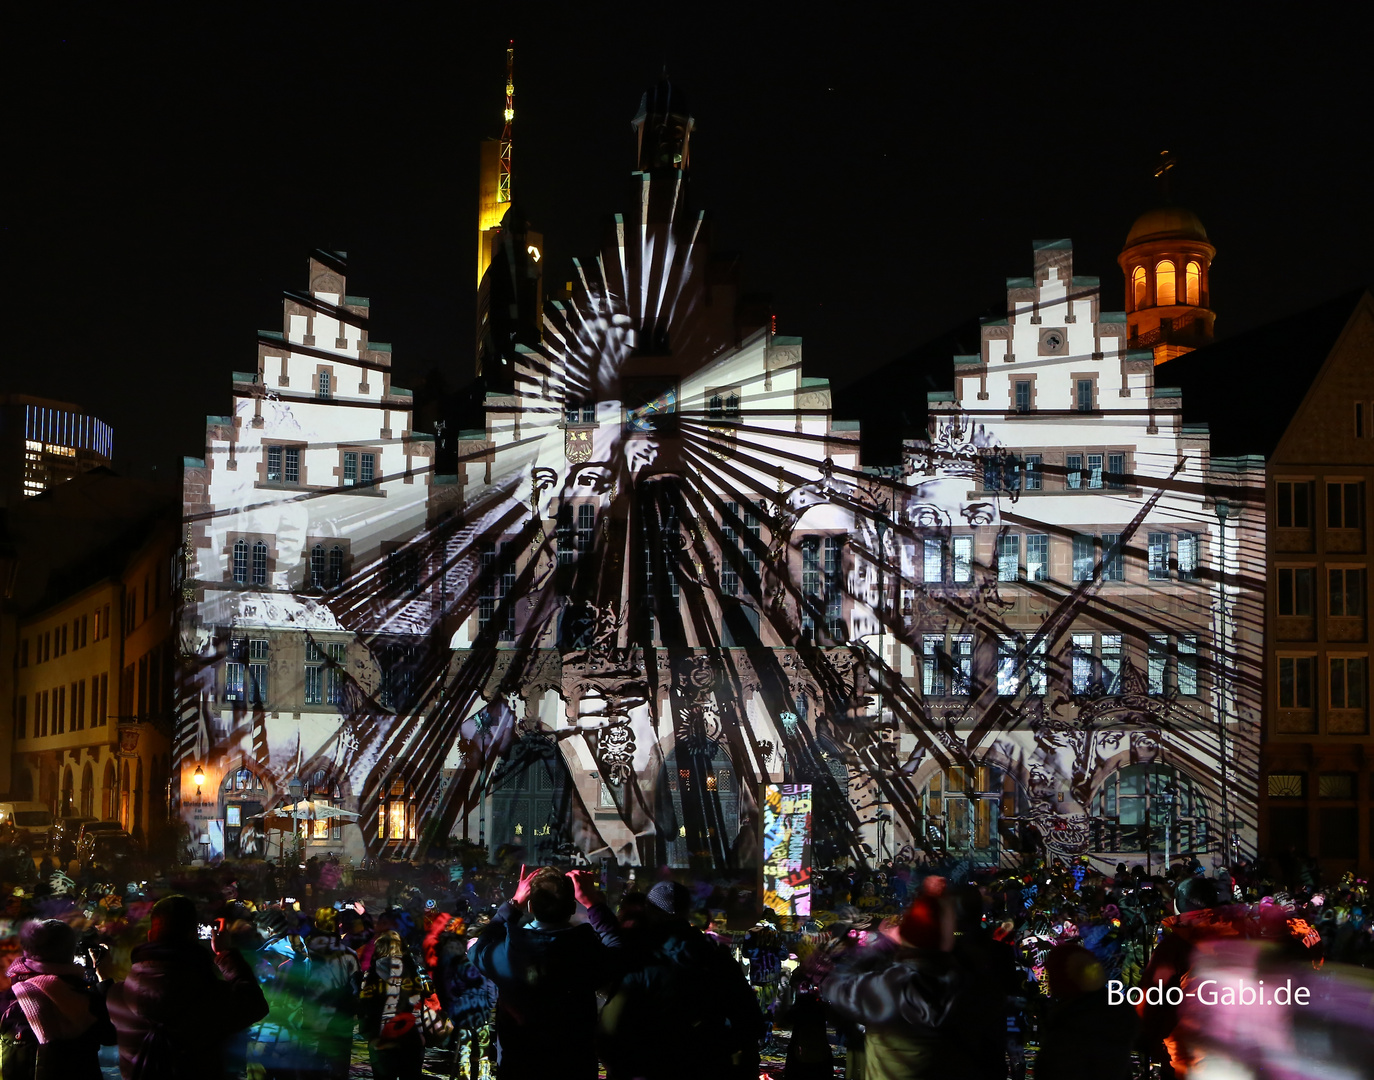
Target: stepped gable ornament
957,448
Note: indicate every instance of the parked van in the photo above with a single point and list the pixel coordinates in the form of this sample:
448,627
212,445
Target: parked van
31,820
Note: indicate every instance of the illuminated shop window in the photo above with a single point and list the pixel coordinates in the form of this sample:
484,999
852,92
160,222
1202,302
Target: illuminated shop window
1192,277
1164,284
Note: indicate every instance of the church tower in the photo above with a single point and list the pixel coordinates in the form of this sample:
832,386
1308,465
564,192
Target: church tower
1167,262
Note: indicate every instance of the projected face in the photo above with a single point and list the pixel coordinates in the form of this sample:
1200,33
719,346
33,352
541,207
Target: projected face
946,501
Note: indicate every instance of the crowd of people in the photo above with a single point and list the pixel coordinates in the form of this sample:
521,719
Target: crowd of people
901,970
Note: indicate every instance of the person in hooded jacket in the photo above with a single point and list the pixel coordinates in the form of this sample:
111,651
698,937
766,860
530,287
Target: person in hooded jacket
1084,1037
904,997
685,1008
547,972
180,1004
52,1024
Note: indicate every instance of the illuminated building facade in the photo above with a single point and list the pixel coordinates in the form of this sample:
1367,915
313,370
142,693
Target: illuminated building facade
659,578
1167,262
90,701
43,443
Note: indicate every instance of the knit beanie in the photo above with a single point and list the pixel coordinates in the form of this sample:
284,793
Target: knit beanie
671,898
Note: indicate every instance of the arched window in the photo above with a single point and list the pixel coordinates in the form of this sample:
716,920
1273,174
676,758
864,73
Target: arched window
1192,278
1138,287
317,571
336,572
259,563
88,792
241,561
1164,284
68,782
1148,808
110,808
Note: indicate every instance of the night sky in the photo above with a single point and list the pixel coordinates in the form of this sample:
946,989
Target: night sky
167,175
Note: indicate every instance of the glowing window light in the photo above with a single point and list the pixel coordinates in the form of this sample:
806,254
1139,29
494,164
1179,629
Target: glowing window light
1192,281
1165,295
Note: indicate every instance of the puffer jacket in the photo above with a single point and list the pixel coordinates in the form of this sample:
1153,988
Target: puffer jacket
179,1007
51,1006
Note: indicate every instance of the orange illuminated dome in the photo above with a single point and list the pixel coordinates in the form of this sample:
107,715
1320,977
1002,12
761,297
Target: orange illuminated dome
1167,262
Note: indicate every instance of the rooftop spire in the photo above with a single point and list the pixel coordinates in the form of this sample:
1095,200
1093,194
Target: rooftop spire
503,183
1163,168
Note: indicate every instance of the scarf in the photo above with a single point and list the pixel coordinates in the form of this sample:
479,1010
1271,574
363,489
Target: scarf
55,1009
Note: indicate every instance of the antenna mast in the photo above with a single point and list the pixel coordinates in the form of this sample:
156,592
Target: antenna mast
503,181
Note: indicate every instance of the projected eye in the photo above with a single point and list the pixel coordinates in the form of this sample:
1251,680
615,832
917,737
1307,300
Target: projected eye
979,513
929,516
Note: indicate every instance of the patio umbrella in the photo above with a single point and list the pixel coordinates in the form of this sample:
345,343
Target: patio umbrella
288,816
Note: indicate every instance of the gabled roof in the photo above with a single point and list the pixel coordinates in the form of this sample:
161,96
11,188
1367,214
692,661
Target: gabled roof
1248,388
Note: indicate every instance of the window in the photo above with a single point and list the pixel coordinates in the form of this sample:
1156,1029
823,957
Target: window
580,413
350,468
1138,287
1113,560
1295,498
961,664
1111,663
1082,663
1033,477
1008,557
367,469
810,584
933,559
1345,592
257,671
963,559
563,537
1023,395
486,602
314,674
932,672
729,553
291,471
1083,395
1009,679
946,668
336,567
1073,471
1347,685
1296,676
1037,672
1164,284
1037,558
1187,665
1286,785
233,674
241,561
21,720
1157,665
1138,805
334,674
1159,557
323,384
509,551
274,464
1192,277
259,563
1189,549
1295,590
1116,471
1094,470
586,525
317,566
1343,506
1359,419
1336,785
834,621
1082,557
723,405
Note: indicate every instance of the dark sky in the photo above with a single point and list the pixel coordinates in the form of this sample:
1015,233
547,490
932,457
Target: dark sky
881,169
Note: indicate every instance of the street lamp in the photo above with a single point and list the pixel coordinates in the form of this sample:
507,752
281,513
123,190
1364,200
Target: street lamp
199,778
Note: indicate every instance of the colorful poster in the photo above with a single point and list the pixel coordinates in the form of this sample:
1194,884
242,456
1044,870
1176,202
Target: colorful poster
787,848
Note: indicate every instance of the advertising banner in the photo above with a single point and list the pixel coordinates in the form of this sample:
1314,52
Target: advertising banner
787,848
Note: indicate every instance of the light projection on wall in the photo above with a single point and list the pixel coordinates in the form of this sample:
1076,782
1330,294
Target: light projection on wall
787,848
619,612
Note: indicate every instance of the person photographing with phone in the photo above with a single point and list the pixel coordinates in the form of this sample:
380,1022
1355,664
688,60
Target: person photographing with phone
52,1023
180,1005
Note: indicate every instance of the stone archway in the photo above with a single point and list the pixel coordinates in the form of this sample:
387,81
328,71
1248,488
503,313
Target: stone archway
87,791
109,810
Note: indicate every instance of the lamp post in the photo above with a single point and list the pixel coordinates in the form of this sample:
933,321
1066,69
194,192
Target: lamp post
1223,511
296,789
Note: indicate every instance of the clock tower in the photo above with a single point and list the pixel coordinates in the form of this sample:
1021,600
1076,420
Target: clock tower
1167,262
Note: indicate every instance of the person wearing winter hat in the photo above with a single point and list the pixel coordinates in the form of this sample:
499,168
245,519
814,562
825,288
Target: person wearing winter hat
51,1023
683,991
